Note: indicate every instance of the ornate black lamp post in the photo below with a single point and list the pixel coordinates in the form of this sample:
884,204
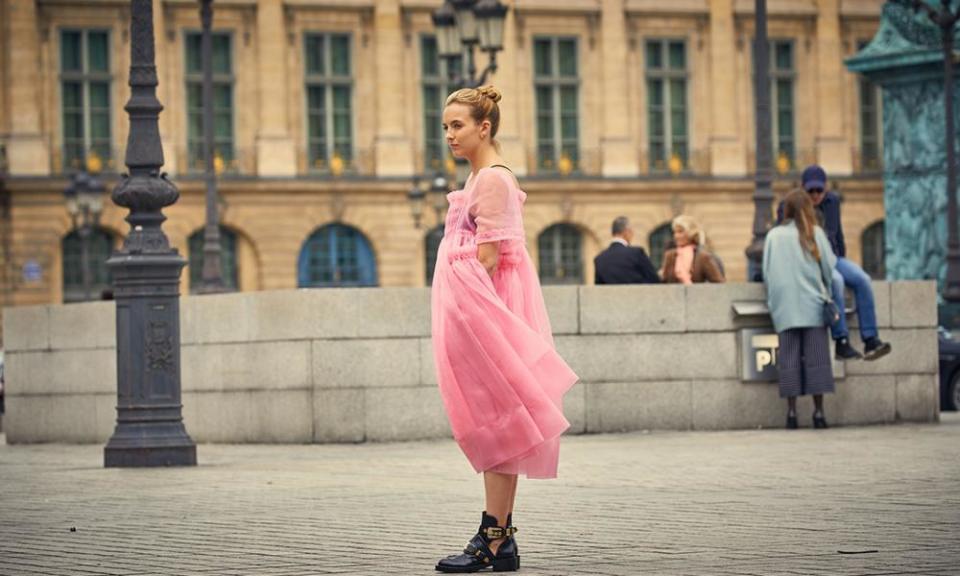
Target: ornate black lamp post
946,19
763,187
463,24
5,233
84,196
146,272
211,280
439,186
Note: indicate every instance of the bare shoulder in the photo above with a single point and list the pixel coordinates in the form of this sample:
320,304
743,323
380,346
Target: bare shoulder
502,172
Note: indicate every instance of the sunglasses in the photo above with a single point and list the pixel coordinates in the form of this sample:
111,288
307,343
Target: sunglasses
815,191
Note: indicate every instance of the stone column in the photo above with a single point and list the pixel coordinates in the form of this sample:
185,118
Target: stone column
833,149
393,147
728,156
617,148
276,153
507,80
165,90
28,148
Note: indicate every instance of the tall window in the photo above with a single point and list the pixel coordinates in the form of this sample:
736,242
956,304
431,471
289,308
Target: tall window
871,124
223,145
228,258
85,95
556,84
874,251
667,104
336,255
782,76
431,245
100,246
561,255
329,102
659,241
435,72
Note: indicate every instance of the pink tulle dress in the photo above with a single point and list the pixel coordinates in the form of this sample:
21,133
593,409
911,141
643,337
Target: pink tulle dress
501,379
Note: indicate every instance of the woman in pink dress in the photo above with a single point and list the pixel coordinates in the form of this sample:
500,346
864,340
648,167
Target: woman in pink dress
501,379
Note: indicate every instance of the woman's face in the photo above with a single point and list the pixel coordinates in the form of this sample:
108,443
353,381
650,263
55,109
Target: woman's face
680,236
462,132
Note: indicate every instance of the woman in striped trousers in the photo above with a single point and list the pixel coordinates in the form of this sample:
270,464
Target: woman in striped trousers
797,270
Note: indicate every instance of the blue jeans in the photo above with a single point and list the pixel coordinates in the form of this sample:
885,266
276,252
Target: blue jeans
849,274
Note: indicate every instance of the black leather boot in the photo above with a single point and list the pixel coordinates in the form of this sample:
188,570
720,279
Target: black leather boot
478,556
819,420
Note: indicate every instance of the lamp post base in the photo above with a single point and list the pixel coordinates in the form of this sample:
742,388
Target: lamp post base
149,445
754,253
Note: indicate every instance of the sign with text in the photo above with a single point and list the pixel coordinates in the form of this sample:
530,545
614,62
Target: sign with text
759,349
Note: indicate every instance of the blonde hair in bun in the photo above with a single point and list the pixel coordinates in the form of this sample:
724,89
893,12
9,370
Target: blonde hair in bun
491,92
482,102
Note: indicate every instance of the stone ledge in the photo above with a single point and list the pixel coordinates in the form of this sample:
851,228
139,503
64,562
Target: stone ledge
634,357
38,373
251,365
366,363
913,304
625,309
26,328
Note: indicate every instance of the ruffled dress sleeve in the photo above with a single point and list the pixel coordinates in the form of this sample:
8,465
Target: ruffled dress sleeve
495,207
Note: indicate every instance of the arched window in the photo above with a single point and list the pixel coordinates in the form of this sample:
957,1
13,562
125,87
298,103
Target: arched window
228,259
561,255
874,250
100,245
336,255
431,244
660,240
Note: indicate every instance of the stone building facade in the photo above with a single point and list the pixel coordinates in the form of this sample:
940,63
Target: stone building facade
327,110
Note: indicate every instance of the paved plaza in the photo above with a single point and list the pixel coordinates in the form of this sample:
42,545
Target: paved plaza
870,501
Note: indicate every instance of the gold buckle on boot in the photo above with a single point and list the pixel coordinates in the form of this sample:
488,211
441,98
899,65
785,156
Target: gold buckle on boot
498,532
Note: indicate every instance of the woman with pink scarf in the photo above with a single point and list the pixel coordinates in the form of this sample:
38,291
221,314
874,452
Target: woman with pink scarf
690,262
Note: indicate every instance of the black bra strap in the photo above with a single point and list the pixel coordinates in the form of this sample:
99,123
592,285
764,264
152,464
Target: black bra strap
502,166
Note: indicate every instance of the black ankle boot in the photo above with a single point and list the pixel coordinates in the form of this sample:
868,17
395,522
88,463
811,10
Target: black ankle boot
792,421
819,420
477,555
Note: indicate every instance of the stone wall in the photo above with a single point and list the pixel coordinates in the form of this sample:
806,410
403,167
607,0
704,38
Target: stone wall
349,365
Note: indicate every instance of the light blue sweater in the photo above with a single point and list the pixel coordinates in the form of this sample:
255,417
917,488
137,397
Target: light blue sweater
795,291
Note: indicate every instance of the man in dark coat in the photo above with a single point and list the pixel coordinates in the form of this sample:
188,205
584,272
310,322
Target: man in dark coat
621,263
846,273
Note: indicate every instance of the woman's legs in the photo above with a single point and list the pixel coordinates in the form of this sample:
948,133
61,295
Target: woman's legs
500,490
818,403
792,406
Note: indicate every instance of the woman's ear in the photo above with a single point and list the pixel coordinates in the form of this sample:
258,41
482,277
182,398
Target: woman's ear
485,128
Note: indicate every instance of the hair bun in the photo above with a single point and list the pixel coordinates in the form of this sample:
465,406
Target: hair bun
491,92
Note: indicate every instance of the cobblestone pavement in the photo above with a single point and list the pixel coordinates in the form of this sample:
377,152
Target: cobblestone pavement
845,501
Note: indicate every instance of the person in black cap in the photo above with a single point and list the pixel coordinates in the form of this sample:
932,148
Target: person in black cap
621,263
846,272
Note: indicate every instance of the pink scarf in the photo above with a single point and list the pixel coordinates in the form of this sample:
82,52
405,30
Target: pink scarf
684,265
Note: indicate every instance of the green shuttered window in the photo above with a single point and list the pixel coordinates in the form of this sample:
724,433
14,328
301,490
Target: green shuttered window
556,86
668,141
85,99
329,92
223,105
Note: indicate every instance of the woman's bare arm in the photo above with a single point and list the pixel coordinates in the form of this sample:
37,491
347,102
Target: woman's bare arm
488,254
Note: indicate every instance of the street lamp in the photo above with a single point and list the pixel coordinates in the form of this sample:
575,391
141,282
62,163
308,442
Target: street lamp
84,198
946,19
416,196
146,272
464,24
438,188
6,207
763,179
211,279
